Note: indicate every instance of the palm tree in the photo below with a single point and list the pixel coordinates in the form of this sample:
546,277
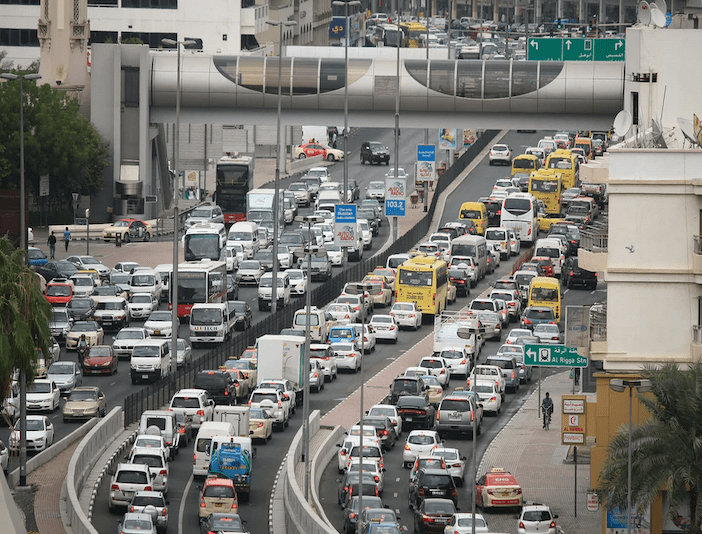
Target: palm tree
666,449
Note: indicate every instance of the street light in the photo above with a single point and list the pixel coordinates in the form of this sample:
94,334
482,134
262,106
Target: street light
23,246
309,220
642,386
276,195
173,283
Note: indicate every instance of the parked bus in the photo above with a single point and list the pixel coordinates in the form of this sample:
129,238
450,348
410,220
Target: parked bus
424,281
234,179
565,162
411,32
200,283
525,163
546,185
519,214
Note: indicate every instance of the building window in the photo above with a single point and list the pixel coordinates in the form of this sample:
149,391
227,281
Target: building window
151,4
635,107
18,37
103,3
20,2
130,77
103,37
151,39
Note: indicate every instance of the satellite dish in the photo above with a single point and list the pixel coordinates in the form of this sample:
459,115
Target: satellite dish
657,135
688,130
660,4
657,17
622,123
643,13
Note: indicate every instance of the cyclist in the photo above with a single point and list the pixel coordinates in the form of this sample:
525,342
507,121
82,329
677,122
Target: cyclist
547,408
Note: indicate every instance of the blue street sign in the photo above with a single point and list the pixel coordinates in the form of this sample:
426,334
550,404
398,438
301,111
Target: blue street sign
426,153
345,213
337,28
394,208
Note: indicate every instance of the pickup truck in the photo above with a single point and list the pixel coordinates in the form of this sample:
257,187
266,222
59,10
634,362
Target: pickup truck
489,373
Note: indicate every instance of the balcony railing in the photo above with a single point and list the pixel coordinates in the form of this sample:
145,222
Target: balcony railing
594,241
697,334
598,322
698,244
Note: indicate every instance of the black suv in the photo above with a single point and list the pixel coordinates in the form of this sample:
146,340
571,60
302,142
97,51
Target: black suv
242,313
374,152
434,483
219,385
416,411
406,385
461,279
576,276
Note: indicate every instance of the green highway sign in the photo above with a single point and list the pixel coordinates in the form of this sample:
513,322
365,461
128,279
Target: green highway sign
575,49
553,356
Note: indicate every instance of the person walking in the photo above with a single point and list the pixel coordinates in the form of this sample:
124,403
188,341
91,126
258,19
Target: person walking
52,245
66,237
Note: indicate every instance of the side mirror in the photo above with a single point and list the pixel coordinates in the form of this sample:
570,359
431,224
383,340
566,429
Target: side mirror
463,458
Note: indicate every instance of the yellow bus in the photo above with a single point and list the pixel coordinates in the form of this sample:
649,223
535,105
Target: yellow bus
546,185
411,32
477,212
565,162
527,163
546,291
424,281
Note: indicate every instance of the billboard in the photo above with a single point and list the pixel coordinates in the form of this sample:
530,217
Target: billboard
345,227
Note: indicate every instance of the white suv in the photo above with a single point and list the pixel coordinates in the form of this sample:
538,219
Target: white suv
195,404
127,479
274,401
536,518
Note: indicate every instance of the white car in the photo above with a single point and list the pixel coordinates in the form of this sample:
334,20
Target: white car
351,440
462,523
83,285
455,463
40,434
500,153
159,324
430,249
336,255
322,353
4,457
238,248
156,461
548,333
373,468
43,395
494,251
458,361
514,243
289,395
327,232
420,443
141,305
327,215
536,518
406,314
184,355
342,313
436,366
512,301
443,240
389,411
231,258
347,356
272,400
385,327
89,262
298,281
366,234
124,341
368,342
489,396
250,272
466,262
515,334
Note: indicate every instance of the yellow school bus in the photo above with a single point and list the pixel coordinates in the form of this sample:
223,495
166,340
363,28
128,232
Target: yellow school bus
586,144
424,281
546,291
411,31
527,163
546,185
566,163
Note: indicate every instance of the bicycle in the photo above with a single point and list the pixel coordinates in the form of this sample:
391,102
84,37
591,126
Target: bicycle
547,416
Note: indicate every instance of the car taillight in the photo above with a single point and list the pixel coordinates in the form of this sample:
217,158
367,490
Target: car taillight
463,361
411,315
162,472
443,371
194,459
421,491
472,417
526,321
352,515
148,488
343,453
260,425
234,505
131,508
249,402
385,432
376,478
521,525
438,414
201,412
114,487
226,393
280,404
407,447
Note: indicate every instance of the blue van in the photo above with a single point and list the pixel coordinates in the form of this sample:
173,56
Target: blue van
342,333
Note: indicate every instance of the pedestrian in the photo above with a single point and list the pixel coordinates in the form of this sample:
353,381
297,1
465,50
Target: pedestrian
66,237
52,245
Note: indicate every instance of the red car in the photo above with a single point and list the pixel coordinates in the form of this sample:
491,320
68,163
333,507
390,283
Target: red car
59,291
313,148
546,264
100,360
498,488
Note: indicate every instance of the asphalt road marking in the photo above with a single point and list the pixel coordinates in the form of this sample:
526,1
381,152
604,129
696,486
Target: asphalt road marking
181,510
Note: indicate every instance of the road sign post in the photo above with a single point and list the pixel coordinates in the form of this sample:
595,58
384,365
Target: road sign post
553,356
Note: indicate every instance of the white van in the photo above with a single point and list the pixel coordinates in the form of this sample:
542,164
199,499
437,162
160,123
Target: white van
203,443
236,415
499,237
319,327
151,359
211,323
474,246
246,234
265,290
165,270
553,248
146,281
327,198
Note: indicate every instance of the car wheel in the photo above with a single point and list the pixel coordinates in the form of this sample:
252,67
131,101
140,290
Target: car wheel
330,157
302,156
147,236
387,162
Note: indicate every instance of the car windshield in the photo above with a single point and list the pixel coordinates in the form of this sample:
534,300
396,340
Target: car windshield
249,266
59,291
145,500
481,388
399,306
160,316
185,402
61,368
536,515
110,305
130,334
381,319
342,347
100,351
84,327
468,522
141,299
137,524
80,396
547,328
39,387
421,440
404,385
152,460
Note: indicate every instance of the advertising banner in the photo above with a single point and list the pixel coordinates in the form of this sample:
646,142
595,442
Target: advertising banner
447,139
345,225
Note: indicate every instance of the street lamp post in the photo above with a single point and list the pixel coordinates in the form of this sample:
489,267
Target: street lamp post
173,282
276,195
397,114
23,246
309,220
642,386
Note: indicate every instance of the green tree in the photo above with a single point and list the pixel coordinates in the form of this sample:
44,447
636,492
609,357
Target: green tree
58,141
24,316
666,449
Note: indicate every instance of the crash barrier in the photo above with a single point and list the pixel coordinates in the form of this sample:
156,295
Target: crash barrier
160,393
49,454
521,260
82,462
298,165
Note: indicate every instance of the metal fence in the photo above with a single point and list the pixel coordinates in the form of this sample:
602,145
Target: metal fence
159,393
594,241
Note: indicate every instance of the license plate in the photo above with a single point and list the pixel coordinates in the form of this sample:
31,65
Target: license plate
441,520
128,494
408,419
456,417
144,377
157,332
218,504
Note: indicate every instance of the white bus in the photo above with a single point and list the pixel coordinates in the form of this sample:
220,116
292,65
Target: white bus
519,215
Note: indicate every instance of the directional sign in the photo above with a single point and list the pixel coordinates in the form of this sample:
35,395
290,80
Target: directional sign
337,27
575,49
553,356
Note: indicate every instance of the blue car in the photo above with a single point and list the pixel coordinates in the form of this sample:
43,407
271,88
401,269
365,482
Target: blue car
36,257
341,333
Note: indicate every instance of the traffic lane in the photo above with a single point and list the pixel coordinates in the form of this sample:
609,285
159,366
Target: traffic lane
483,177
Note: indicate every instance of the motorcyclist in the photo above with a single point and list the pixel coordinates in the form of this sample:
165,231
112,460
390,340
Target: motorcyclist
547,408
82,347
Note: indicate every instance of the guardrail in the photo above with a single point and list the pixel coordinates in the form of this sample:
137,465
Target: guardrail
82,462
594,241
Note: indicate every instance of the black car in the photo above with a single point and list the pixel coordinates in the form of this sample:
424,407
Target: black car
433,515
81,308
576,276
370,216
57,269
436,483
352,508
321,268
572,237
349,487
374,152
219,385
265,257
243,315
406,385
461,279
384,430
494,210
416,411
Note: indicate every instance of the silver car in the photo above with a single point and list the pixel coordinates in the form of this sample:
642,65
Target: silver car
185,353
152,503
548,333
66,375
137,523
60,322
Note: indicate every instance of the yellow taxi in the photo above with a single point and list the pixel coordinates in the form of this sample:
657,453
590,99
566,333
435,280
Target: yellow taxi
250,354
218,495
380,292
93,274
260,424
388,273
245,367
498,489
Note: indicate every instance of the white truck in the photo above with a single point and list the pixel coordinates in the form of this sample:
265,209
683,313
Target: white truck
238,416
283,360
259,207
446,336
